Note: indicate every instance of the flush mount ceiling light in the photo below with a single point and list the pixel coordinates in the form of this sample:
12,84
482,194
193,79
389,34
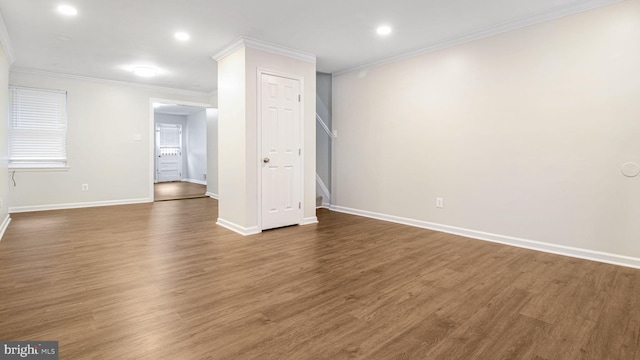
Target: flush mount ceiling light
383,30
182,36
144,71
67,10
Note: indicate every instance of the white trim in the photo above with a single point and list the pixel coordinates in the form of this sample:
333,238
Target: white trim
4,226
502,239
180,102
38,169
237,228
212,195
300,79
309,220
194,181
264,46
487,32
326,194
228,49
324,126
166,90
281,50
5,41
153,178
21,209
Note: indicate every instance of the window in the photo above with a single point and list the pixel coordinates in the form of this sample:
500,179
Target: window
37,128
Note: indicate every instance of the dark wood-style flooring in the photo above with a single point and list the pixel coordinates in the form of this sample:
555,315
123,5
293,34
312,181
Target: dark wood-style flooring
162,281
178,190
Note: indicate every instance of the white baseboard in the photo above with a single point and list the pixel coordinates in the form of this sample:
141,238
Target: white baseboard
309,220
325,205
20,209
212,195
237,228
200,182
4,226
502,239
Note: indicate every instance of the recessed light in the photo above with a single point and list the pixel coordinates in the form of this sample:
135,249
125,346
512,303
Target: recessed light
63,38
67,10
145,71
383,30
182,36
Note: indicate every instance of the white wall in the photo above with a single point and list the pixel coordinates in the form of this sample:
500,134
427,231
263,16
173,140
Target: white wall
307,70
323,92
212,151
323,140
238,134
197,146
177,120
103,119
522,133
4,180
232,180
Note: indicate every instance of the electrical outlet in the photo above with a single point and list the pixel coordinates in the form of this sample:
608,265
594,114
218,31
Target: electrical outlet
439,202
204,176
85,187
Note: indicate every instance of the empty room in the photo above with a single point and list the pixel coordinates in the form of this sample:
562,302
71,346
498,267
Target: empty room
355,179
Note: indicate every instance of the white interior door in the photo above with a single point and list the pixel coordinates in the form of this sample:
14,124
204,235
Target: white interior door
281,151
169,152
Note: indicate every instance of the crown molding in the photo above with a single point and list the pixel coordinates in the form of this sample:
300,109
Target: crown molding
228,49
244,41
487,32
161,89
280,50
5,40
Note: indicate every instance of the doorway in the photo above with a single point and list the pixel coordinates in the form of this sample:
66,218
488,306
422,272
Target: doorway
180,151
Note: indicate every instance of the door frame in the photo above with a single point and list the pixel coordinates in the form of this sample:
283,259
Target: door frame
151,133
264,71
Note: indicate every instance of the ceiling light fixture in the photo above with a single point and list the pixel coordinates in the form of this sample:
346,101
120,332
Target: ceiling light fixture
67,10
182,36
144,71
383,30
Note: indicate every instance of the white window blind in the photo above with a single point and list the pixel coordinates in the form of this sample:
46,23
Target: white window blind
37,128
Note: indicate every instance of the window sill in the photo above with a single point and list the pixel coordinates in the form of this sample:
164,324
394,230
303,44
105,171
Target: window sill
37,168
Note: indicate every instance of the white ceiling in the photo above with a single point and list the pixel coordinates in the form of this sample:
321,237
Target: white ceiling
108,35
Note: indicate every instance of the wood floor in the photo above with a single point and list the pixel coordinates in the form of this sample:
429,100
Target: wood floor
162,281
178,190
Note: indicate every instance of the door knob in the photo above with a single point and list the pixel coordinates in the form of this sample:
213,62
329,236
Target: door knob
265,160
